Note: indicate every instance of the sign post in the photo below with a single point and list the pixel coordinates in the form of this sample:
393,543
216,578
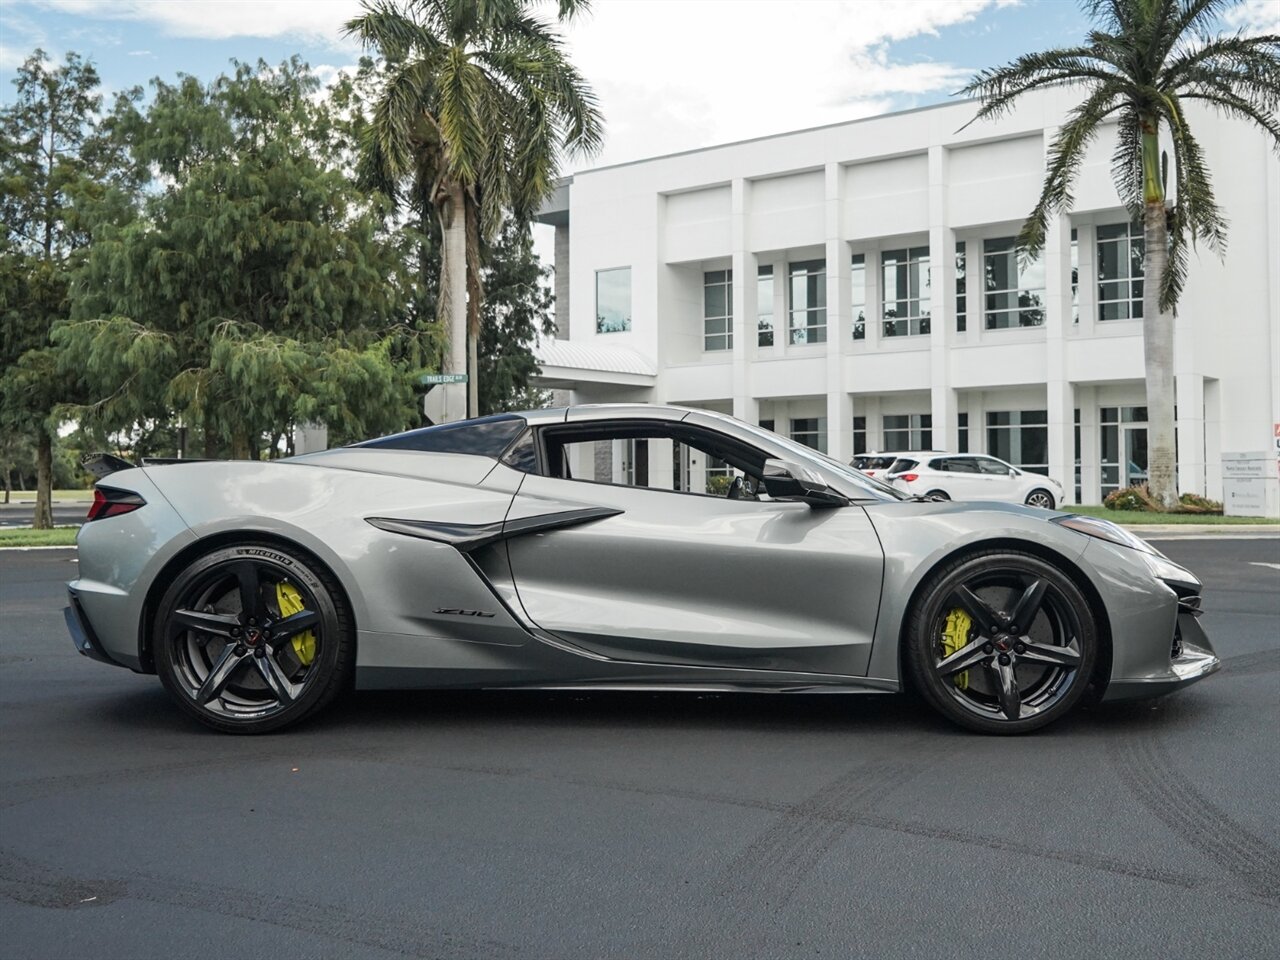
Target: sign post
447,403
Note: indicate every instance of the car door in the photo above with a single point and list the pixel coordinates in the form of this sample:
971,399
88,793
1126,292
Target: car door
958,476
681,577
998,482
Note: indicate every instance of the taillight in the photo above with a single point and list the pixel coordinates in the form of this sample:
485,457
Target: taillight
110,502
909,477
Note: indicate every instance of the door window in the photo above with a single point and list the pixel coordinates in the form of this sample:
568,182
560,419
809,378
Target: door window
659,456
993,467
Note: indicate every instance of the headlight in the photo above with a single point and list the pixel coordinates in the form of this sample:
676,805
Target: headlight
1105,530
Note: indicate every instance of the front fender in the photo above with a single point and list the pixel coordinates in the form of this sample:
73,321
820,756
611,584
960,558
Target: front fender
919,535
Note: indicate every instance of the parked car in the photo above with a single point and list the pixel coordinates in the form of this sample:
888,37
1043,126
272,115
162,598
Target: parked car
878,464
968,476
485,554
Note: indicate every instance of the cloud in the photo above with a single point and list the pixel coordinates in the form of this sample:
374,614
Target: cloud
1254,17
673,75
21,36
319,21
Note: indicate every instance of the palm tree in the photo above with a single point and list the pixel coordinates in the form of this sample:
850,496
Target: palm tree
1143,62
478,106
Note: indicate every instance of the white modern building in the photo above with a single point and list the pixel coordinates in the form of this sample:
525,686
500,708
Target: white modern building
855,287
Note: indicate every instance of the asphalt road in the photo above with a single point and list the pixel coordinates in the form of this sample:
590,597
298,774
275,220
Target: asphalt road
20,514
547,825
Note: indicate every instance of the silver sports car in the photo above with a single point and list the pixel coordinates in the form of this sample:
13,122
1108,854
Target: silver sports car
612,547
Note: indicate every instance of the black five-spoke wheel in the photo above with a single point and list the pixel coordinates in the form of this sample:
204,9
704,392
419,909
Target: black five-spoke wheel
251,638
1001,642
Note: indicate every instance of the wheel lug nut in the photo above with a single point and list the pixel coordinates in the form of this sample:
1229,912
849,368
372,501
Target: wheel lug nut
259,652
1004,659
253,622
994,630
240,650
1019,648
988,648
1013,628
235,631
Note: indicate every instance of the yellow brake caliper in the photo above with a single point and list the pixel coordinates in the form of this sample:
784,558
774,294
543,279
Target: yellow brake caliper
290,602
954,636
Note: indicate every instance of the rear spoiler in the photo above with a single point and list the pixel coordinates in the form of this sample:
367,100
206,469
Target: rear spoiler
104,464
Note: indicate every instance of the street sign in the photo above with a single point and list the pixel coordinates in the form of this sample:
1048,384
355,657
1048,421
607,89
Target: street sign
433,378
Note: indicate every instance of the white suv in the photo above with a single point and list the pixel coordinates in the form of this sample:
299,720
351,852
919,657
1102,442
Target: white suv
972,476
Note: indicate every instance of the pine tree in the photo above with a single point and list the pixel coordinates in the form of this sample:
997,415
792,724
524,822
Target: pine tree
52,157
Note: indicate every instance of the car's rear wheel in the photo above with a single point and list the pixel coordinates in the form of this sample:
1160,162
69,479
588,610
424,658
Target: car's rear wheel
1001,642
1040,498
253,637
938,495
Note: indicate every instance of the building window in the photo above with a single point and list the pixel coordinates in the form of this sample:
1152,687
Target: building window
962,433
859,435
961,298
717,310
858,295
1078,461
1075,282
613,300
766,424
1120,249
1020,437
811,431
908,431
1015,291
807,290
764,306
906,291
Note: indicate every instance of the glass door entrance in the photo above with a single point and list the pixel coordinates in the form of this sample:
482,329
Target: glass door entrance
1122,451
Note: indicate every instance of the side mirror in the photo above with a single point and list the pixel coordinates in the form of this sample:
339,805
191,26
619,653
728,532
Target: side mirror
786,480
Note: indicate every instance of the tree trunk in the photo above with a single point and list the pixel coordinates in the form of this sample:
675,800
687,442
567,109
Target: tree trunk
1157,330
210,441
8,484
43,519
475,295
453,293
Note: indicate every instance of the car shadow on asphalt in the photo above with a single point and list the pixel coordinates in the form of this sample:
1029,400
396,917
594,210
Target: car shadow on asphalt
149,711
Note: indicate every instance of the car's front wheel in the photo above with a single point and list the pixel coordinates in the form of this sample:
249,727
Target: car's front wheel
253,637
1040,497
1001,642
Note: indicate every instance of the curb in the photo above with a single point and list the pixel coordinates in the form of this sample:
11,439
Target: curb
70,546
1212,531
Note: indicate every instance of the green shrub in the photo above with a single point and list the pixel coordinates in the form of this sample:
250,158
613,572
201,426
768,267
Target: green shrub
1194,503
1139,498
1131,498
718,485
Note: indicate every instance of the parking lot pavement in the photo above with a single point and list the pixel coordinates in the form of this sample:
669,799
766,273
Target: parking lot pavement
546,825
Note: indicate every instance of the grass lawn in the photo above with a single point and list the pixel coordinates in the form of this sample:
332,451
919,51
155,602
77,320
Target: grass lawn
57,537
1137,517
29,496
